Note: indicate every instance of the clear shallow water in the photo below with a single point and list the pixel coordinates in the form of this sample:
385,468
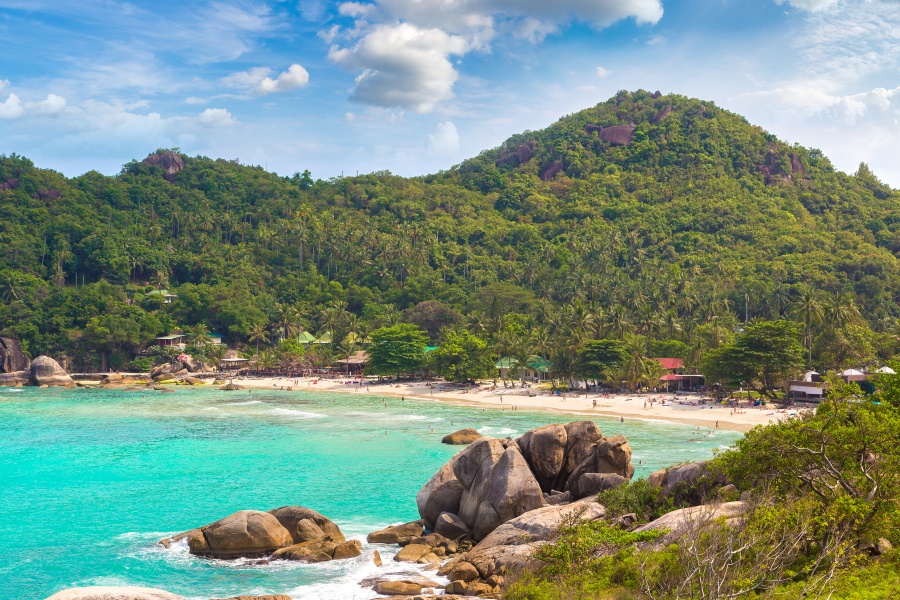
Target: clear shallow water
90,480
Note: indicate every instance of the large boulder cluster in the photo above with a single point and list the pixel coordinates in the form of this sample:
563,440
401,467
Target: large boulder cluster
289,532
12,359
493,481
176,369
16,369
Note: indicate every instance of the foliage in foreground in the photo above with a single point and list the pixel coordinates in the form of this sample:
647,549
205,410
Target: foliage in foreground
822,488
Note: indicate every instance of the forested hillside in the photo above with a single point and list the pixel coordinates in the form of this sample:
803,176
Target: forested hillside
648,218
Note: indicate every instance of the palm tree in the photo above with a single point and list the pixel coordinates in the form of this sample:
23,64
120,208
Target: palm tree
258,334
267,360
653,371
810,311
635,368
841,311
216,353
199,335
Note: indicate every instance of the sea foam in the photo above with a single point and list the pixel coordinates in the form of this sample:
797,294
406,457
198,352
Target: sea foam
296,414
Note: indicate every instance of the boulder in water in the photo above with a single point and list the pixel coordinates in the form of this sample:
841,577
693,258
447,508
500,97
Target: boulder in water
292,518
462,437
395,533
246,533
46,371
253,533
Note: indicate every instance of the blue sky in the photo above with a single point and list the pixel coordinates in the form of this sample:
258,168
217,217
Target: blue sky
415,86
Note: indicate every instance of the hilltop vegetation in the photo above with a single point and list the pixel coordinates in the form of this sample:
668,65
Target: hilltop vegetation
590,229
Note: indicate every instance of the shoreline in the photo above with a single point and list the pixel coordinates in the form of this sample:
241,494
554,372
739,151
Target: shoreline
684,409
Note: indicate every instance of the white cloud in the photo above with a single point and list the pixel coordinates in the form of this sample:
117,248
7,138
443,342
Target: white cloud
248,79
402,66
460,16
444,141
52,105
349,117
810,5
258,80
215,117
602,73
402,49
4,83
355,9
14,108
11,108
295,77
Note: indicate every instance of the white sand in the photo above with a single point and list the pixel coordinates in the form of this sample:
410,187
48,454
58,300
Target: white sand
663,407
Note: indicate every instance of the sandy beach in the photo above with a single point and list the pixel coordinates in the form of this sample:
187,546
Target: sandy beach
683,408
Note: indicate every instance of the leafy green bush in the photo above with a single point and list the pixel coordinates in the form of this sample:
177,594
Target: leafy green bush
579,545
636,497
141,365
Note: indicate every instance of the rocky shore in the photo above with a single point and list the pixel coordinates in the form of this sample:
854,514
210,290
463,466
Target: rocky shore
484,516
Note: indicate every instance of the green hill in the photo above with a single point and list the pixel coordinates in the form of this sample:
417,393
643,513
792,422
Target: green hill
663,216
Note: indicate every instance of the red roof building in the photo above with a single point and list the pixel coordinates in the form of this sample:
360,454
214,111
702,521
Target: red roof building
671,364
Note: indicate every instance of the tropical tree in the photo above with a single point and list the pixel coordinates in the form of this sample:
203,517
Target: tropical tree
599,358
397,349
462,357
198,335
761,357
258,334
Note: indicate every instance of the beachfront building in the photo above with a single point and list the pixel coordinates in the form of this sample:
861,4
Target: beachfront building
177,339
215,338
536,368
809,389
233,364
676,380
353,364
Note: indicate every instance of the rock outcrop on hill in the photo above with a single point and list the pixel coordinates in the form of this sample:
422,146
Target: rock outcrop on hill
46,371
170,162
493,481
289,532
615,135
12,359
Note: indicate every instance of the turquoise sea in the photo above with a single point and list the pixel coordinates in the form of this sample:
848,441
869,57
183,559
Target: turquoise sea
90,480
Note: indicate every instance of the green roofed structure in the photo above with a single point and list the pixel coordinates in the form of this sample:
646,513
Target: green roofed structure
536,368
325,338
306,337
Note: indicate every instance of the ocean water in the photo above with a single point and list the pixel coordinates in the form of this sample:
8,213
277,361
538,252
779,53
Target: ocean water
90,480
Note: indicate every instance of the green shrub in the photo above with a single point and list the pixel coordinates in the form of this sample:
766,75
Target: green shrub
141,365
637,497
